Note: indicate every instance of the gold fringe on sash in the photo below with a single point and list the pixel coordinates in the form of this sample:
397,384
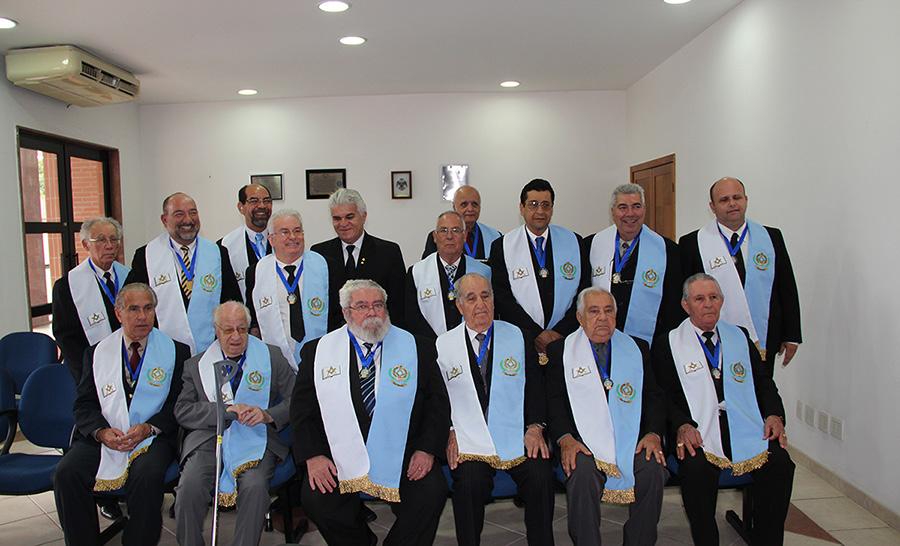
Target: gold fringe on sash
720,462
119,483
363,484
506,465
739,468
492,460
227,500
608,468
619,496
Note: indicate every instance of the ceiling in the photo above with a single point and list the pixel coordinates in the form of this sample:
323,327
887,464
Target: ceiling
205,50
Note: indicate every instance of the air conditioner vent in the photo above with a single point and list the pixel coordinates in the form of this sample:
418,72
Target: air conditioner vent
91,72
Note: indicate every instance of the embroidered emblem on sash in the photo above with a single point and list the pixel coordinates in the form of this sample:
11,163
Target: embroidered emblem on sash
265,301
255,380
316,306
580,371
520,273
399,375
692,367
650,278
454,372
510,366
108,390
718,261
209,282
156,376
599,271
238,276
738,372
625,392
95,318
427,293
331,371
568,270
162,279
761,261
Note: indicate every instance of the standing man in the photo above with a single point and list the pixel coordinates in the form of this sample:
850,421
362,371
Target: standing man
753,269
249,242
190,274
499,410
288,292
387,443
479,237
355,254
724,411
537,270
607,415
125,428
431,292
84,299
257,399
640,268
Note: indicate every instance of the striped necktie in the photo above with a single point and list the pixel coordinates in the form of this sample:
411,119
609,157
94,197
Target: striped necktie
186,285
367,384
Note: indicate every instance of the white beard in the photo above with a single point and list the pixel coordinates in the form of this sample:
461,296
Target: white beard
372,330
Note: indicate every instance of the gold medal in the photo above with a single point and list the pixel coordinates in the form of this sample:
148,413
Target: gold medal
542,359
716,373
607,384
616,278
292,299
544,273
451,296
364,373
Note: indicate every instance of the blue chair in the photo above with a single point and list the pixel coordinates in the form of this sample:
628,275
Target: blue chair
7,402
46,420
282,484
23,352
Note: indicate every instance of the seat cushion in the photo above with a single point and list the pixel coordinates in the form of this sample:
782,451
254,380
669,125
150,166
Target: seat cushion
25,474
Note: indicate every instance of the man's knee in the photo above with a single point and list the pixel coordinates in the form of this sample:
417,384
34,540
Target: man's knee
650,473
695,466
539,472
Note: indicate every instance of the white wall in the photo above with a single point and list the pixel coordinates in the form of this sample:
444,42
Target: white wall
575,140
800,101
113,126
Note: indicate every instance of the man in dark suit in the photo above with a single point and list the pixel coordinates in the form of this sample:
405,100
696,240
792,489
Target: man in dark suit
724,411
607,414
479,237
388,442
249,242
125,428
190,275
84,298
760,296
430,284
355,254
640,268
537,271
502,370
255,412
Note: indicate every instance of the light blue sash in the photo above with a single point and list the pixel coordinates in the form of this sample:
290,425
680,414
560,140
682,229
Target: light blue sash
242,446
315,299
488,236
153,385
625,403
506,418
567,261
647,288
760,276
205,294
477,266
748,448
398,377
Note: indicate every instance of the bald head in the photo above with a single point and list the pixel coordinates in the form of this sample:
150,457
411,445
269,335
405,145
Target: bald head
181,218
467,202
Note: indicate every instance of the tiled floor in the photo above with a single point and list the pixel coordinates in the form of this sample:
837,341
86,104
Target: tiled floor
32,520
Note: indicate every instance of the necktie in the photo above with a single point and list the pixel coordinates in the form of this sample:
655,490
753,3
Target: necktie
711,346
470,240
350,266
260,245
720,395
296,310
134,358
451,270
367,384
623,248
483,367
110,285
602,364
540,246
238,374
186,285
738,258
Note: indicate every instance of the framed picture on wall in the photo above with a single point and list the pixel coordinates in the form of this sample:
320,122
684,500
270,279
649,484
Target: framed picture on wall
320,183
272,182
401,184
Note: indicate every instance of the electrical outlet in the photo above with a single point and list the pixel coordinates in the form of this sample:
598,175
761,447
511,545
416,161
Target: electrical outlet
809,415
837,428
823,421
799,410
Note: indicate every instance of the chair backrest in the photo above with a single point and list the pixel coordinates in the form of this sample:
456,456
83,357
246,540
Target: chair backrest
23,352
46,415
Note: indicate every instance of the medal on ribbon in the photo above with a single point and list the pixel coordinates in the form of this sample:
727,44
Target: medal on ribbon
367,362
607,381
291,288
619,262
713,357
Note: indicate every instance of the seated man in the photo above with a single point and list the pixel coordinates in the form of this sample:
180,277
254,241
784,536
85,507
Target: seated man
125,428
258,398
717,393
607,415
369,414
495,390
430,283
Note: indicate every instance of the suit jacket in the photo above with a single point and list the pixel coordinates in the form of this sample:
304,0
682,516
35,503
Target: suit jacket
197,414
378,260
89,417
430,247
784,305
67,329
414,318
510,310
670,312
677,410
335,318
562,422
429,423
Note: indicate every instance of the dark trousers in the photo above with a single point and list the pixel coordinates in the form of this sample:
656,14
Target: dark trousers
472,485
341,521
73,485
771,491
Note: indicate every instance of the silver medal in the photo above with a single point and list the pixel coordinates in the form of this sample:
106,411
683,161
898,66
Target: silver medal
607,384
544,273
364,373
292,299
616,278
716,373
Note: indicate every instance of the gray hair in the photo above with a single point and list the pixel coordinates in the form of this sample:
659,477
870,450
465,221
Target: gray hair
134,287
465,279
282,213
452,213
626,189
228,305
344,196
345,294
697,277
579,302
89,224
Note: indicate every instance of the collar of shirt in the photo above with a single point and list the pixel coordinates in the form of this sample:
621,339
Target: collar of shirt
357,246
252,235
728,232
715,331
472,333
445,264
532,236
100,271
296,263
128,342
191,246
376,362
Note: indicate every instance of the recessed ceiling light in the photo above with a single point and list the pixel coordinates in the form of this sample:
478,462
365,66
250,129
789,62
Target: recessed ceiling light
509,83
353,40
334,6
248,92
676,1
7,23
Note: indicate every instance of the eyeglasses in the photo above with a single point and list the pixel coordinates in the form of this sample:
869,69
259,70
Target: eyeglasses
106,240
534,205
363,307
226,332
446,230
296,232
253,201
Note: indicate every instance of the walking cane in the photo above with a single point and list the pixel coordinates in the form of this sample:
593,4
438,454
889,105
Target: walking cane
221,374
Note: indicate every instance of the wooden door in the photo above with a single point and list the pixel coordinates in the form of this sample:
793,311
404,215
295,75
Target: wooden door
657,177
